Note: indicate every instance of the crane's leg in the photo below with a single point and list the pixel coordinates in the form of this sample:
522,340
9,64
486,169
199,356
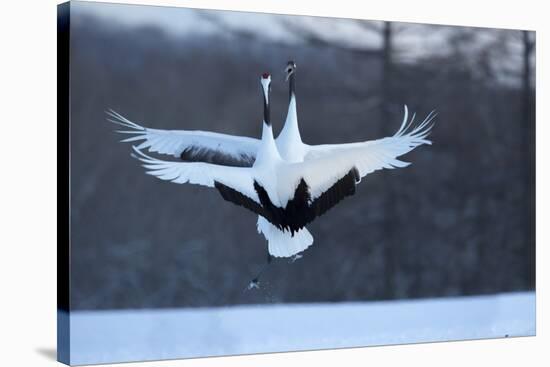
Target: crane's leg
255,283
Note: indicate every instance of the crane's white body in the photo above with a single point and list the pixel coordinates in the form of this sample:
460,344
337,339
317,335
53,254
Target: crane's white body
268,162
291,149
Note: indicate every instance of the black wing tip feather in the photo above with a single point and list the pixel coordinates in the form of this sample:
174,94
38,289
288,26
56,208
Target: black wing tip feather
299,211
237,198
343,188
198,154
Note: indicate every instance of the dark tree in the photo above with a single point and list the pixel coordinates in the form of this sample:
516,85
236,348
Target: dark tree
528,114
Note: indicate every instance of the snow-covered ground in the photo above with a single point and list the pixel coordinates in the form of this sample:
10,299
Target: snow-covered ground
124,335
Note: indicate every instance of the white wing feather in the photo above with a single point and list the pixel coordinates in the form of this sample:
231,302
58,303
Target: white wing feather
199,173
174,142
324,165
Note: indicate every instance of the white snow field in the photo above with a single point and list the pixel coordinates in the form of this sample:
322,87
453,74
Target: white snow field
130,335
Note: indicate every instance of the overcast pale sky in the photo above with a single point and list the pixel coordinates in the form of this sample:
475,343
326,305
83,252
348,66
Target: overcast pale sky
412,42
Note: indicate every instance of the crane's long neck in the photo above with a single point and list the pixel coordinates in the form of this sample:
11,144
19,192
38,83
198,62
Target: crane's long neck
291,132
267,110
268,150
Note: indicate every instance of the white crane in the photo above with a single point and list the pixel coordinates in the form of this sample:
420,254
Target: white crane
293,149
299,193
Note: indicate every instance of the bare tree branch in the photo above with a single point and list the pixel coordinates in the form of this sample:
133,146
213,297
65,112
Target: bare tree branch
308,36
218,22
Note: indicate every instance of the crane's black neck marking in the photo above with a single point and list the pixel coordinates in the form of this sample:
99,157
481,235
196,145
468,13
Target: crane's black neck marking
291,86
266,108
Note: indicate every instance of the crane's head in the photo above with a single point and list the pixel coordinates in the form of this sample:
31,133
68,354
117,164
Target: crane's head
266,86
290,69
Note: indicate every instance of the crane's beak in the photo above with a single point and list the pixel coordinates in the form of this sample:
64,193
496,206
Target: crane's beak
287,74
266,84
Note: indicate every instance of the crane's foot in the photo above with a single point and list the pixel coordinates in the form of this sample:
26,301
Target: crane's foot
255,283
296,257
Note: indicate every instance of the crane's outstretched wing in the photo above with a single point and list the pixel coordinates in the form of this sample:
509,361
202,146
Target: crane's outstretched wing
191,146
326,177
239,179
307,189
235,184
373,155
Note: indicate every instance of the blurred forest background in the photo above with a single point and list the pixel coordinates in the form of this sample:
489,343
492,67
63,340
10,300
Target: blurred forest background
458,221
